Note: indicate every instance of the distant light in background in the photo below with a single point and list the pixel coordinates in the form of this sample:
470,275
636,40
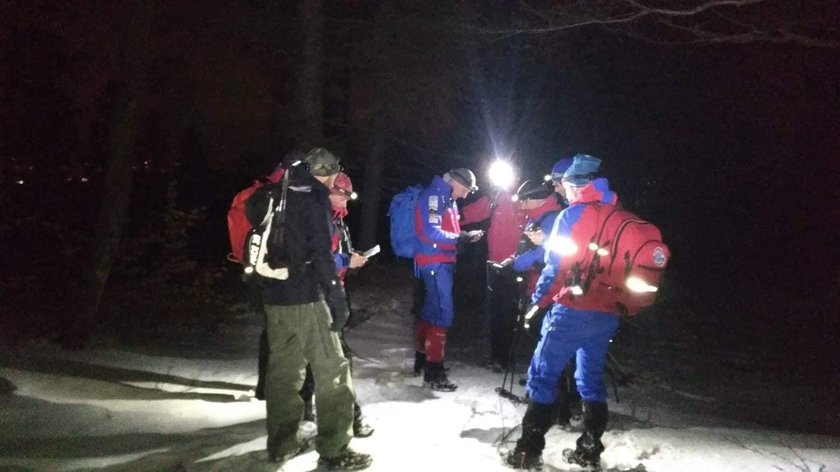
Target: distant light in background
19,182
501,174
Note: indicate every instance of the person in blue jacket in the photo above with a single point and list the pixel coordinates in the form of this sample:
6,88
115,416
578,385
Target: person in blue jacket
438,230
568,332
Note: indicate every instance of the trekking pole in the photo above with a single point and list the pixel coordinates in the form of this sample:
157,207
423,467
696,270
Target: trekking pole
615,371
510,369
614,383
616,367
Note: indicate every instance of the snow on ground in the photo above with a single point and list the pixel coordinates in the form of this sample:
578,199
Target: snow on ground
187,406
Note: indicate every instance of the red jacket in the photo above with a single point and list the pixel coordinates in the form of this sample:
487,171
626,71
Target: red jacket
506,223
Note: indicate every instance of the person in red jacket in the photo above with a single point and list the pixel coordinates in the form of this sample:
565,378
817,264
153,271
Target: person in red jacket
346,258
502,295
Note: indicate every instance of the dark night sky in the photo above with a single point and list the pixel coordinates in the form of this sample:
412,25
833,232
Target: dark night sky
732,149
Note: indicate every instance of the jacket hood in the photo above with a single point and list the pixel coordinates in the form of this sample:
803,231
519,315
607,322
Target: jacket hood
597,191
441,186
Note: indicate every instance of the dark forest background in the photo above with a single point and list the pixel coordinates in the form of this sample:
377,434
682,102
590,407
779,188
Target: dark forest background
127,127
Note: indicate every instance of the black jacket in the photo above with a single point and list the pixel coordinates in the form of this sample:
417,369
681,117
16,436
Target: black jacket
308,243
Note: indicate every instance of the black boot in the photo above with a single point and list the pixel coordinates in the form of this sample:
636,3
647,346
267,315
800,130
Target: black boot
347,459
419,363
436,379
361,429
536,422
589,446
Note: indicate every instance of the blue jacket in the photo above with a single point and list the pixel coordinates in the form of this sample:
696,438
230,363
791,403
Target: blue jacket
535,256
436,225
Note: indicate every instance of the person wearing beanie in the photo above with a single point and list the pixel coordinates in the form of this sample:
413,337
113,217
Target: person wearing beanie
438,230
566,331
557,172
540,206
305,311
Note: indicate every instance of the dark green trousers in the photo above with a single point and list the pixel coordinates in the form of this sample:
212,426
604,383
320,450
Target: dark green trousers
298,335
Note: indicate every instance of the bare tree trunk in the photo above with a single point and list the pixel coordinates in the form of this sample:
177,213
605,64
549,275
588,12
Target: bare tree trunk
116,190
369,221
310,93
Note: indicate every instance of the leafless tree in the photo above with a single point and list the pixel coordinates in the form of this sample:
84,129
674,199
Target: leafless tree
686,22
116,193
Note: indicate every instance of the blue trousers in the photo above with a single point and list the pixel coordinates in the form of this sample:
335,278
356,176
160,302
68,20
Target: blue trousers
565,333
438,309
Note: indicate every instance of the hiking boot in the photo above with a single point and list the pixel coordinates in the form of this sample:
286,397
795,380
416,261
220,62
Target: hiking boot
419,363
361,429
348,459
521,459
441,385
536,422
436,379
589,446
585,456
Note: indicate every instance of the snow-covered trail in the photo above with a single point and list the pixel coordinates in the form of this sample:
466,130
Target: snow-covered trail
191,410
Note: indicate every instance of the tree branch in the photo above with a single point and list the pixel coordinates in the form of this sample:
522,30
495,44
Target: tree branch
693,11
780,36
743,28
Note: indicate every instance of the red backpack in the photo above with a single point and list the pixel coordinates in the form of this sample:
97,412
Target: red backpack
238,224
621,267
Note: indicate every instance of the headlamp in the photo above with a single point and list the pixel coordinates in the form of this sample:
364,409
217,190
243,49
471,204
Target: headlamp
501,174
345,193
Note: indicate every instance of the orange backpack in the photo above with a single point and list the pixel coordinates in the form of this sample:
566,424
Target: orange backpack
238,224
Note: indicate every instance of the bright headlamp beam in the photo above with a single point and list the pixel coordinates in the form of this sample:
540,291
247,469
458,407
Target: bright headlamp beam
501,174
562,245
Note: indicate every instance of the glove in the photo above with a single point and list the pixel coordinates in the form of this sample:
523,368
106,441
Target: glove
528,315
470,236
337,302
